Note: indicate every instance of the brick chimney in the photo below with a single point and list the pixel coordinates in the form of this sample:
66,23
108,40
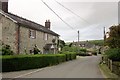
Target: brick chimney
4,5
47,24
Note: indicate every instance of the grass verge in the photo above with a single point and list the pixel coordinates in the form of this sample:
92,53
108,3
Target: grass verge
107,73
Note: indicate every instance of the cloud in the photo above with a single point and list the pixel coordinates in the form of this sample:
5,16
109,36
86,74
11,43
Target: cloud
103,14
98,14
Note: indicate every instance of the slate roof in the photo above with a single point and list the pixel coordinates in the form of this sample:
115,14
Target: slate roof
87,44
30,24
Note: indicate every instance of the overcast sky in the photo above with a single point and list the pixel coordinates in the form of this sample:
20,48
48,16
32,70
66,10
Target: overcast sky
96,14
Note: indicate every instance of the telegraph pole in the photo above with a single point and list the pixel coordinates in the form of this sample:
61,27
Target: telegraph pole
104,40
78,36
78,40
104,36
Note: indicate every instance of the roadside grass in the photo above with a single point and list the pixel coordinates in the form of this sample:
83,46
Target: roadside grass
107,73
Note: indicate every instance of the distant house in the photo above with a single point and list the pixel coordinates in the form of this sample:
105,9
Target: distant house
23,35
84,44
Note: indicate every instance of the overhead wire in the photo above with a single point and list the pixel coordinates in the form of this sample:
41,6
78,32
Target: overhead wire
72,12
58,15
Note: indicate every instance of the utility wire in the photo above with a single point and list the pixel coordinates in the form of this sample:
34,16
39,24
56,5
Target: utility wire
58,15
73,12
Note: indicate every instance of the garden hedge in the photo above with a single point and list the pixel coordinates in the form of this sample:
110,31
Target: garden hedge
70,55
24,62
113,54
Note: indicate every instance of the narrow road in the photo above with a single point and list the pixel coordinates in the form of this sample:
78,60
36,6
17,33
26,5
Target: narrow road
82,67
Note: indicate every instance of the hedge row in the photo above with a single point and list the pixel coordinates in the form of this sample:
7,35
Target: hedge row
23,62
113,54
70,55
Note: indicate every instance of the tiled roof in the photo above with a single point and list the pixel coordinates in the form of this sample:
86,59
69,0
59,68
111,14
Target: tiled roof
30,24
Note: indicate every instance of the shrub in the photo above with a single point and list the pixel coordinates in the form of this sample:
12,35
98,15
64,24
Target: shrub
83,50
113,54
70,49
73,49
70,55
73,56
94,52
23,62
6,50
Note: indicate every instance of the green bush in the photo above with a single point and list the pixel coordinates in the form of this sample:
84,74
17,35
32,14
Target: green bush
73,56
70,49
94,52
83,50
23,62
6,50
70,55
73,49
113,54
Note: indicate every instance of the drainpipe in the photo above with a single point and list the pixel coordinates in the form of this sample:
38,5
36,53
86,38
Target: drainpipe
18,39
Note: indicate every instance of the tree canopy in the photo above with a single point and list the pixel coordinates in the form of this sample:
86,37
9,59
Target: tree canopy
113,41
61,43
97,42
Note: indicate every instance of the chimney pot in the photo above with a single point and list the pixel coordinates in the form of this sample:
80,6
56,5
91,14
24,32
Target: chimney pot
47,24
4,5
48,20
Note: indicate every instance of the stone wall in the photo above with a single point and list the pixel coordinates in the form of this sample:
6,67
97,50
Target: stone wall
9,32
114,66
10,36
0,31
0,5
27,43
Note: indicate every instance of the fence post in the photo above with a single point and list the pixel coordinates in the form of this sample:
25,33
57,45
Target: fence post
108,64
111,66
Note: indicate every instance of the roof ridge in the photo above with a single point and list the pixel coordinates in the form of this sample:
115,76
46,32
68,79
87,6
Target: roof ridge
31,24
24,18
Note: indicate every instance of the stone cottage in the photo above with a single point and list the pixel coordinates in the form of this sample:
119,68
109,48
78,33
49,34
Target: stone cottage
83,44
23,35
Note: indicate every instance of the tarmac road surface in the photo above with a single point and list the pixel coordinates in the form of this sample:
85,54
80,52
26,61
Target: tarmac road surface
82,67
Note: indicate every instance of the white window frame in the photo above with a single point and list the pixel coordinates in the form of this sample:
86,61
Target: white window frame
45,36
32,34
54,37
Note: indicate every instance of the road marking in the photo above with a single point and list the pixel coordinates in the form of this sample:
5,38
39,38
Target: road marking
20,76
26,74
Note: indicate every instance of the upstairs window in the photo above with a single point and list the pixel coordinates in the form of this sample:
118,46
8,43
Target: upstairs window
54,37
45,36
32,34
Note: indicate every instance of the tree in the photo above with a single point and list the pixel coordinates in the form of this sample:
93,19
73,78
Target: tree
70,44
61,43
113,41
97,42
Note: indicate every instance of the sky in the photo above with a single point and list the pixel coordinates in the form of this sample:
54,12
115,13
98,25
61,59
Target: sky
94,15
